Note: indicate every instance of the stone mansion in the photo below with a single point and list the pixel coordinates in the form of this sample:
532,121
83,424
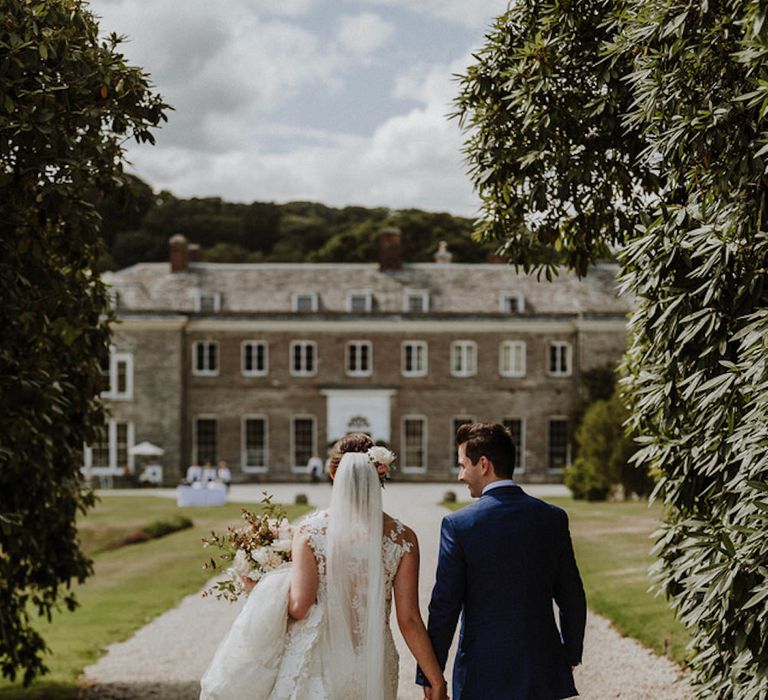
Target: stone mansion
265,365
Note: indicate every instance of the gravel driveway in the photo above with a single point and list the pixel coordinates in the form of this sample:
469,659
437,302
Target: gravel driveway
165,659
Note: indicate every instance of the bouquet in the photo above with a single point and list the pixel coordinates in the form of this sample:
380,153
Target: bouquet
262,544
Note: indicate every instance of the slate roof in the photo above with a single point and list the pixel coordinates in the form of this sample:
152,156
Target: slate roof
454,288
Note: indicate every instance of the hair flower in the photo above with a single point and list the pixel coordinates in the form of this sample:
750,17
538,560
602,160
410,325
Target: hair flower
382,459
381,455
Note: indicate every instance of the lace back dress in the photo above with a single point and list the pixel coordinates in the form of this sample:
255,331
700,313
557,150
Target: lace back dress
302,675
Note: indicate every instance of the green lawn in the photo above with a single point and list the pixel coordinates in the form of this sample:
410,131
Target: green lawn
130,586
612,544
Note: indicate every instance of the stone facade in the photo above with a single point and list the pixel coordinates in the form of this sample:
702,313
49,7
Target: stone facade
184,329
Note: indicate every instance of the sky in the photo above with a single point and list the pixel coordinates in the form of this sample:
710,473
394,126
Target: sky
343,102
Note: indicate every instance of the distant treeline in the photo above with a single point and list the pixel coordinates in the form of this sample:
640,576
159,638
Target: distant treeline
138,224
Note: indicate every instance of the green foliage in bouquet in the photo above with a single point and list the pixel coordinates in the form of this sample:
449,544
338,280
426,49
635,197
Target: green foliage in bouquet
68,102
642,126
261,544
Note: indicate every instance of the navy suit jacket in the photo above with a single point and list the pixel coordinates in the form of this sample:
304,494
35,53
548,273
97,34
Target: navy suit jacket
502,562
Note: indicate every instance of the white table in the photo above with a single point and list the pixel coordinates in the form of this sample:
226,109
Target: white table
211,494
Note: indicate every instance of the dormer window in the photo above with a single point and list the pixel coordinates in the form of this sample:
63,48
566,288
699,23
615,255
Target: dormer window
416,301
360,301
511,303
304,302
208,302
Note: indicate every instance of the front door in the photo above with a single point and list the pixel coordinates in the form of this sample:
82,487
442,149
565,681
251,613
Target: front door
358,411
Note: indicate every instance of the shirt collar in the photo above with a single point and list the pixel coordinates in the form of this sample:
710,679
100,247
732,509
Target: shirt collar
498,484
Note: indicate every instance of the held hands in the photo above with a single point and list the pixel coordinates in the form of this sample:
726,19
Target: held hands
438,691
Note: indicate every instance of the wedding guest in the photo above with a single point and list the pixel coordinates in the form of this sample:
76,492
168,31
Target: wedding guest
223,474
315,468
209,473
194,472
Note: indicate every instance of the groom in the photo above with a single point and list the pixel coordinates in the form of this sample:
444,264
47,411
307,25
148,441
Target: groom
503,561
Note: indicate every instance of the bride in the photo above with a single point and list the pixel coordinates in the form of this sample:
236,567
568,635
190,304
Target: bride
320,630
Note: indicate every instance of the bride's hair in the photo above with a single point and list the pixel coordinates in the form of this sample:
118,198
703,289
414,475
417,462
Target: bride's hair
355,576
354,442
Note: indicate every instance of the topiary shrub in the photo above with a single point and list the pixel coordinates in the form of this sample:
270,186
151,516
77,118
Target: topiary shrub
449,497
301,499
587,481
605,453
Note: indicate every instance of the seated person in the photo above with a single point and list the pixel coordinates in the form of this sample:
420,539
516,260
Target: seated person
209,473
194,473
223,474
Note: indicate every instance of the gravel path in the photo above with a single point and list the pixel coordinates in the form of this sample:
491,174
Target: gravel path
165,659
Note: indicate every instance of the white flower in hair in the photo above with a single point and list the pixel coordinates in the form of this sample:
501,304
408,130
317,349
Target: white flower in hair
381,455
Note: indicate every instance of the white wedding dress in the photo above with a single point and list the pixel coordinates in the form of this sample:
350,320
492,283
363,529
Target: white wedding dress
268,656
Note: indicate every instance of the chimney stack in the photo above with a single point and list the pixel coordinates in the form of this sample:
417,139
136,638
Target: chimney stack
443,256
179,253
390,249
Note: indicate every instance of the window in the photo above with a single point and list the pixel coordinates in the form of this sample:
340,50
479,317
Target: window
512,358
359,358
302,441
416,301
360,301
464,358
110,451
254,354
511,303
205,358
302,360
559,358
415,358
559,445
101,451
117,370
515,428
208,302
456,423
206,444
304,302
414,441
254,443
113,295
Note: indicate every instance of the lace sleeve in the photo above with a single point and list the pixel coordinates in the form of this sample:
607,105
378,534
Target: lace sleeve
314,528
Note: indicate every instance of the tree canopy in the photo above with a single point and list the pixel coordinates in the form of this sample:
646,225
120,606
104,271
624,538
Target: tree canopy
641,126
137,225
69,101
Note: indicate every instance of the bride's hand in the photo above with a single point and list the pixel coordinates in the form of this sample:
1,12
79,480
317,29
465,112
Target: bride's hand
248,584
438,691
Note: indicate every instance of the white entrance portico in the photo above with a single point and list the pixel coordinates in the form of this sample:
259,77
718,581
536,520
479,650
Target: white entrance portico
358,411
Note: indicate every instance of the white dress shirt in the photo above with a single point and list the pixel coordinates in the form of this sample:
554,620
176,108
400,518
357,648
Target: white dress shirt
497,485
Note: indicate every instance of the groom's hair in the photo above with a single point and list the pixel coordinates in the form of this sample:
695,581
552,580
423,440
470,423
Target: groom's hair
491,440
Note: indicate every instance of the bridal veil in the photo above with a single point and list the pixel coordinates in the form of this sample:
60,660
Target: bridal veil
356,599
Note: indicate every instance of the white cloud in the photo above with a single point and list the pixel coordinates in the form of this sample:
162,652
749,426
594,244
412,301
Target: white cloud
364,34
210,66
243,74
411,160
468,13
